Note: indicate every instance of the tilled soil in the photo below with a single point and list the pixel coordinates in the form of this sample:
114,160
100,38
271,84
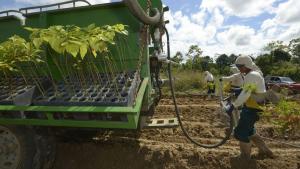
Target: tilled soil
168,148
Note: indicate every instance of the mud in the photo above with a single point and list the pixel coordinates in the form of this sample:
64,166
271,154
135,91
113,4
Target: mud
167,148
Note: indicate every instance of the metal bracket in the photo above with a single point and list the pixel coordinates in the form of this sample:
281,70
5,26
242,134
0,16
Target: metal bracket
147,122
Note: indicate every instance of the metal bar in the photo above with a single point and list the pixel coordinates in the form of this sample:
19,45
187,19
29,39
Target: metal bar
51,5
83,109
140,95
8,11
67,109
70,123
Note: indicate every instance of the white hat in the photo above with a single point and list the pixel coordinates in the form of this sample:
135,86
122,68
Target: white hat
248,63
245,61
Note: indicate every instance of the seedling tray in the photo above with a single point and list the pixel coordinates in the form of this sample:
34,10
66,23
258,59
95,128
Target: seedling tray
118,91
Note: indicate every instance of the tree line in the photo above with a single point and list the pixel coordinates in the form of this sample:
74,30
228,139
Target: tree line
277,58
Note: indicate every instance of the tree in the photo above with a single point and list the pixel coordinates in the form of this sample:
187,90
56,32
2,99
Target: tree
294,47
281,55
223,62
232,58
194,54
178,57
275,45
264,63
206,62
194,51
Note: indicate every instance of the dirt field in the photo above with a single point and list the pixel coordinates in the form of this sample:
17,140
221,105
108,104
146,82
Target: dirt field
168,149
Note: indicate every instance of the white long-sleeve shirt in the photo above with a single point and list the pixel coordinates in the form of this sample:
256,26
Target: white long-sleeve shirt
209,78
235,79
253,78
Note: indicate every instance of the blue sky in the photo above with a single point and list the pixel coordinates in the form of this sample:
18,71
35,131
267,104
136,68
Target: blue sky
219,26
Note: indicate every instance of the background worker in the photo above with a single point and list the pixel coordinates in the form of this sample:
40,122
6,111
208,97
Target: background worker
210,84
235,81
250,97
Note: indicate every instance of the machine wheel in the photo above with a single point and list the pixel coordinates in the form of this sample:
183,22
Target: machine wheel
18,148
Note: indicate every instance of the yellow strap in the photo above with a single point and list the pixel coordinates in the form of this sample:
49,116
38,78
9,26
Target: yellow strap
210,85
251,103
227,87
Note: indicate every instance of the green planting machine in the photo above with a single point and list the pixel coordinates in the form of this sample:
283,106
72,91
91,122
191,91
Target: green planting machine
73,65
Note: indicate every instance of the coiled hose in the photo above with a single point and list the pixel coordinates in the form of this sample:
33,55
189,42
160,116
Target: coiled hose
228,134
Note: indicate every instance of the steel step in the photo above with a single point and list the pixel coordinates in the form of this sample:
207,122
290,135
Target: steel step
148,122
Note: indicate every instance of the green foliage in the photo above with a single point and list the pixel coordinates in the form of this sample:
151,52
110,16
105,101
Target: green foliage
75,40
15,51
194,51
250,88
194,57
264,63
223,62
281,56
178,58
279,60
288,117
294,46
184,81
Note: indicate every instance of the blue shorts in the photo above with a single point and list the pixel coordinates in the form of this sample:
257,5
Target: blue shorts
236,91
245,127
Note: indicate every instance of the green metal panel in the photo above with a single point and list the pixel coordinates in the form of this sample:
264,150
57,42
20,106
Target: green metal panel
10,26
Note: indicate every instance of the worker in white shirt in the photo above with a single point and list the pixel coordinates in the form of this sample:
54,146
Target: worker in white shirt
210,84
249,99
235,80
235,84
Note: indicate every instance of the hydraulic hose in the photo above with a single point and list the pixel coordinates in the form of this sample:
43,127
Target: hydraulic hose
228,134
158,83
281,142
138,12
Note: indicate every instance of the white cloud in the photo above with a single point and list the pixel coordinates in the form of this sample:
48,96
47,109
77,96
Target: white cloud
203,29
268,24
199,28
217,18
290,33
288,12
238,35
200,17
286,23
240,8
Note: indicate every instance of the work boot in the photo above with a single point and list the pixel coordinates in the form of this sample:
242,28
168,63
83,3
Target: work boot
245,149
263,150
209,97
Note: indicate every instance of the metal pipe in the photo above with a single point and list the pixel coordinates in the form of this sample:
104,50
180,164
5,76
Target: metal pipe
51,5
140,14
21,18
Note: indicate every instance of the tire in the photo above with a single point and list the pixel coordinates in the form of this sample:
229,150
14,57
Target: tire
24,153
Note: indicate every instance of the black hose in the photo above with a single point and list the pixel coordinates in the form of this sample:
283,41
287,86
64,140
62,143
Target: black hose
157,70
139,13
228,134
